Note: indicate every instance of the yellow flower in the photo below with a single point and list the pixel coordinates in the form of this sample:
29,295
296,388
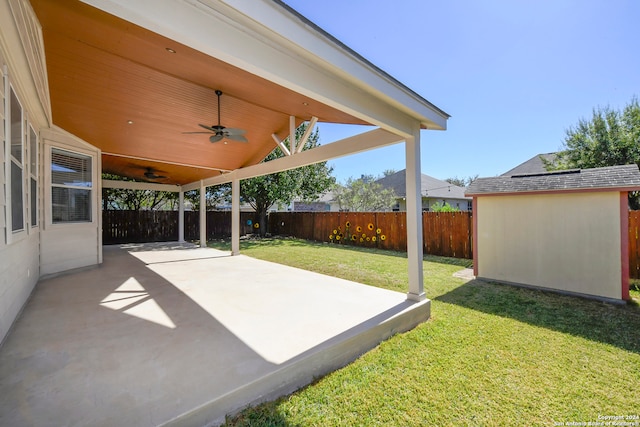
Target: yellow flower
256,225
348,224
383,237
359,229
335,231
368,238
330,236
373,239
370,226
353,237
338,237
361,239
378,231
364,235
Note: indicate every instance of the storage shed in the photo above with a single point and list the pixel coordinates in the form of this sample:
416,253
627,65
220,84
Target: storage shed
562,230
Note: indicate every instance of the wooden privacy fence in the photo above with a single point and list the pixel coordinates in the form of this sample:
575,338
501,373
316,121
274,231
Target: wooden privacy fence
162,226
444,233
634,244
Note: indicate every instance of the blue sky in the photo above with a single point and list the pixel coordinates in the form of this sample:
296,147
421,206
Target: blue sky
514,75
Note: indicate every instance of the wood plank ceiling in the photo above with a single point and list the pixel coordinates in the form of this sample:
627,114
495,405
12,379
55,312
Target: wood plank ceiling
132,93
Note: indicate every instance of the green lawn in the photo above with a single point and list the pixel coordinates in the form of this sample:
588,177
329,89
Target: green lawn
491,355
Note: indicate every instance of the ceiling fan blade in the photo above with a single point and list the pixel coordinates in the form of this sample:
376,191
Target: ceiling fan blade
238,138
216,138
211,128
232,131
187,133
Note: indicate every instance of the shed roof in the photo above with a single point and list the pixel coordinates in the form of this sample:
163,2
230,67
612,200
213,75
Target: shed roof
625,177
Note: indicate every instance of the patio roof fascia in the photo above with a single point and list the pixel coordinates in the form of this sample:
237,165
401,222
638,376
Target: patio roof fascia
355,144
134,185
268,40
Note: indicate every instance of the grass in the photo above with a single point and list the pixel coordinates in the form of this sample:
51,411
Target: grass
491,355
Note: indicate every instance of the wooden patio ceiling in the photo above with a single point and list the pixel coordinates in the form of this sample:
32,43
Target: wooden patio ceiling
132,93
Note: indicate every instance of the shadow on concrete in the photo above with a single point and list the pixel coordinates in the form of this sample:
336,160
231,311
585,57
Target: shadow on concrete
617,325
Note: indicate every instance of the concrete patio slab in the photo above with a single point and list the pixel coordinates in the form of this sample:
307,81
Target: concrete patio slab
173,334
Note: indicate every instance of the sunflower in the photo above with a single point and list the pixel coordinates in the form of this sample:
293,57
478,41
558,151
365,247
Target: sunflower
335,231
330,236
256,225
370,226
354,237
383,237
338,237
348,224
373,239
364,235
361,239
368,238
359,229
378,231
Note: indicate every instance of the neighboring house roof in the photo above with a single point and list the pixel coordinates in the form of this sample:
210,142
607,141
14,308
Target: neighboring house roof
429,186
533,165
611,177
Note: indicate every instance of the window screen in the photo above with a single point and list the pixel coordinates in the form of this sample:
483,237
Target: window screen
70,186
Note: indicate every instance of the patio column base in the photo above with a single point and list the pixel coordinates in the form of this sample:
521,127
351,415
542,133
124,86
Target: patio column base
416,297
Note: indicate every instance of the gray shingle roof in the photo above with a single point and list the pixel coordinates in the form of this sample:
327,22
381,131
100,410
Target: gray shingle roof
611,177
430,186
533,165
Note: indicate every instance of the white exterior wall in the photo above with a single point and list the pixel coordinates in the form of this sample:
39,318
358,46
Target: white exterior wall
19,251
568,242
74,245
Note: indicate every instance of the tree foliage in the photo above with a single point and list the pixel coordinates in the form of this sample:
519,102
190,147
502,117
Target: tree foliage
443,207
364,195
216,195
125,199
610,138
306,183
462,182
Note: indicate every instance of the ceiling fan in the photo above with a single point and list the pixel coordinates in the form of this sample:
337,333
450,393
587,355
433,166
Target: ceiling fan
220,132
150,173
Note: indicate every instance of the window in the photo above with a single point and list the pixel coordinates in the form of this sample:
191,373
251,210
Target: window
33,169
16,138
71,186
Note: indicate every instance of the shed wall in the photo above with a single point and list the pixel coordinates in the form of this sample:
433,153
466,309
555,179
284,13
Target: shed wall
568,242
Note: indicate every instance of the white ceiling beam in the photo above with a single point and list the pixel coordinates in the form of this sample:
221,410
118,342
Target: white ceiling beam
366,141
306,134
281,145
132,185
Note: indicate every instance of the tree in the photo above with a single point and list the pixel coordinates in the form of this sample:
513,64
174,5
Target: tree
364,195
446,207
610,138
126,199
462,182
306,183
215,196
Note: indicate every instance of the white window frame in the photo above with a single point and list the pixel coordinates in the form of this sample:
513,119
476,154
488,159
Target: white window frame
33,175
49,186
13,235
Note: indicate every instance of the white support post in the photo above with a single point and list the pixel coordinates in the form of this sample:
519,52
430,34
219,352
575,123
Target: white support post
181,216
203,215
307,133
235,217
292,134
414,217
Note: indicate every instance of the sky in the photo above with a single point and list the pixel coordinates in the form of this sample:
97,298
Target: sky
513,75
